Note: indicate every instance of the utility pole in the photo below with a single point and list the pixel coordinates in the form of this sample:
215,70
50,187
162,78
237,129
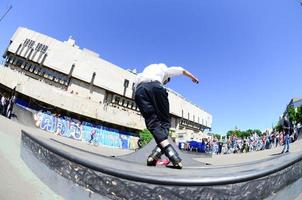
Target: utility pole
9,8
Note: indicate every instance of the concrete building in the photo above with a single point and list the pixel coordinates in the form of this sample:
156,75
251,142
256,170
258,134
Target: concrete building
77,80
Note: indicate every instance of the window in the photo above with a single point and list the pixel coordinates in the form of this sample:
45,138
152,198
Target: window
26,42
44,48
117,99
27,66
38,47
122,102
31,43
19,63
189,116
37,70
31,69
41,73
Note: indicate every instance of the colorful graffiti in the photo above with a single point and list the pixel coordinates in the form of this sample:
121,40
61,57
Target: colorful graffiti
82,131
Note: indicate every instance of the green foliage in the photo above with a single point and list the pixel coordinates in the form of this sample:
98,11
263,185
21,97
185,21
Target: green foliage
145,137
299,115
243,134
278,127
216,136
292,114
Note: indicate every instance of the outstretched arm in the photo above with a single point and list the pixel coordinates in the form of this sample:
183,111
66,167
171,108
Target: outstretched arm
188,74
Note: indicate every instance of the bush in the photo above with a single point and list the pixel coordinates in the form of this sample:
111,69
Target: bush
145,137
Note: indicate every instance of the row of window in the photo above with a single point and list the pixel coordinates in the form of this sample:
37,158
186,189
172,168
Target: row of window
198,119
118,100
38,70
29,43
191,124
40,47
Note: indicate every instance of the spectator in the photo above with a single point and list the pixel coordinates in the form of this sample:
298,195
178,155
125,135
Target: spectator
3,105
287,129
10,106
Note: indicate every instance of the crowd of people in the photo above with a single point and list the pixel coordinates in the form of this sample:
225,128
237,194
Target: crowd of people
255,142
236,144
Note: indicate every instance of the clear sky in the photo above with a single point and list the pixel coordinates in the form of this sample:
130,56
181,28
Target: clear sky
247,54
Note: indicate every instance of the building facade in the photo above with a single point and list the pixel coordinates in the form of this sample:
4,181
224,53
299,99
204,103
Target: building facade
79,81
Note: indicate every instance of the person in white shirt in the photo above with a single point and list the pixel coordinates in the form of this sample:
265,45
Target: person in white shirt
152,100
3,105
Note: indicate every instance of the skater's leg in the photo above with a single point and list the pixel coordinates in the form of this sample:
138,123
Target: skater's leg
154,106
171,153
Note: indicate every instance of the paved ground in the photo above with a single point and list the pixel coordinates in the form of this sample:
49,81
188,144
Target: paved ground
19,182
229,159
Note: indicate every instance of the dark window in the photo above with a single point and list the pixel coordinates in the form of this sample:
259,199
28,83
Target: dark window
32,68
26,42
117,99
44,48
38,47
31,43
27,66
19,63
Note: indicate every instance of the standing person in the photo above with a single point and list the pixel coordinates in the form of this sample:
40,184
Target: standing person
286,127
3,105
92,136
10,106
152,100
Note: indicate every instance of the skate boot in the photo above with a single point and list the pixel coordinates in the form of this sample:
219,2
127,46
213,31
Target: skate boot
154,156
173,156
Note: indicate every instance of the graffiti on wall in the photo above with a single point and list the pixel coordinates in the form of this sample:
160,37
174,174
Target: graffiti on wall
82,131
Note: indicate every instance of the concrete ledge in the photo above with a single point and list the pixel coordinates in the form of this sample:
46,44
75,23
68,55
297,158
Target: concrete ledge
117,179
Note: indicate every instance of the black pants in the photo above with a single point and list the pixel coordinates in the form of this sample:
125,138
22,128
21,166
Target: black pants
152,101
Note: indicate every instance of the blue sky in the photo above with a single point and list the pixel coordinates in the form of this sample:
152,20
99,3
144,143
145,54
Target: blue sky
247,54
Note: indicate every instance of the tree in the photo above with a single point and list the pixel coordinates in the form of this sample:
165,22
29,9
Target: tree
278,127
243,134
292,114
216,136
145,137
299,114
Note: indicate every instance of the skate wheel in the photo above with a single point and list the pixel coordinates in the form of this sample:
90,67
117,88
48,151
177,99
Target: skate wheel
163,162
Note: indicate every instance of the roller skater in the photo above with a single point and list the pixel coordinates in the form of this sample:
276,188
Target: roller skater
152,100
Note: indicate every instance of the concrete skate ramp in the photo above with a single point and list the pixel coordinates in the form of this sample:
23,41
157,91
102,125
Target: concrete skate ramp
141,155
22,115
115,178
